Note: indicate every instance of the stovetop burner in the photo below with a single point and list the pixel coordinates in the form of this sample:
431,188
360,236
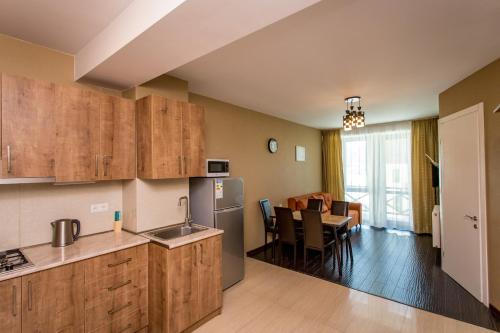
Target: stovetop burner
11,260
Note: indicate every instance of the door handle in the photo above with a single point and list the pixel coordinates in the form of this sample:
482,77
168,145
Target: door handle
30,296
97,165
9,160
201,254
14,301
472,218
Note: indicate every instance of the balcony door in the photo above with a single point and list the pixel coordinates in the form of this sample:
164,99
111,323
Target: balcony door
377,173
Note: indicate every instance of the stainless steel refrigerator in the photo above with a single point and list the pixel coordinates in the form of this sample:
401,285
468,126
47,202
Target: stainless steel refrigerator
218,203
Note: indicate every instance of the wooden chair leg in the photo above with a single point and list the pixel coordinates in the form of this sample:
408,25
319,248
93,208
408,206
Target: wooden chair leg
295,255
350,248
341,245
274,247
281,253
305,258
323,261
265,244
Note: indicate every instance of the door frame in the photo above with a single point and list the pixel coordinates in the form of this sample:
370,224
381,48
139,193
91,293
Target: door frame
483,236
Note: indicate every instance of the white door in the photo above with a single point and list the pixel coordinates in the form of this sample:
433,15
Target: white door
463,199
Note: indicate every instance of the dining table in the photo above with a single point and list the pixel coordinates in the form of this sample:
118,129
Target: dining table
335,222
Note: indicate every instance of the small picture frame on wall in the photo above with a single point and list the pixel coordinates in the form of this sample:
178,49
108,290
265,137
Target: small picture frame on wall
300,154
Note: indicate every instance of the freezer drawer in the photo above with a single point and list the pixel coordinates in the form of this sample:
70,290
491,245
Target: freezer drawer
233,265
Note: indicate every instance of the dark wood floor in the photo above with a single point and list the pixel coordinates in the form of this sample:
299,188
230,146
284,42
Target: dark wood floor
400,266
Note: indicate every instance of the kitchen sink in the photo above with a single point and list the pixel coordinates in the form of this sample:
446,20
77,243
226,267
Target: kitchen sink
175,231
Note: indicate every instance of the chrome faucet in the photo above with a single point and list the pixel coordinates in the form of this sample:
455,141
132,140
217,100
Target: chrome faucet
187,219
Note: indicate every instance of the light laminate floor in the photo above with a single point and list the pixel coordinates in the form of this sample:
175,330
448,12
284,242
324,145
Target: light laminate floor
275,299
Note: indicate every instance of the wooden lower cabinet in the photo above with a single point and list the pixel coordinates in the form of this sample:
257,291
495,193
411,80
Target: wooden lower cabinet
116,291
53,300
10,305
185,284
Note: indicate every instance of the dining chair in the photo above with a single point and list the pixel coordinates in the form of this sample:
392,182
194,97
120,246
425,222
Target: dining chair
269,224
315,204
315,238
287,233
341,208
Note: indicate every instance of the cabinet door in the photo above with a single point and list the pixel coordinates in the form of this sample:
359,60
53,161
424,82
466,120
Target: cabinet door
117,138
53,300
210,275
10,305
167,138
28,128
77,128
182,295
193,139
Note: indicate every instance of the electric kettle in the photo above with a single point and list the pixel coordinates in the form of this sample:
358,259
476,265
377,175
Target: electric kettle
63,232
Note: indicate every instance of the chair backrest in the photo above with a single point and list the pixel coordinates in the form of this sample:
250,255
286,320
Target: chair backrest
265,208
286,227
315,204
313,228
340,208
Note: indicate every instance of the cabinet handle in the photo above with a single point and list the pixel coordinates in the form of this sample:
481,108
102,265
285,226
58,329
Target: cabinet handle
195,256
105,161
97,165
180,165
113,311
118,286
201,253
30,296
126,328
120,262
9,160
185,168
14,301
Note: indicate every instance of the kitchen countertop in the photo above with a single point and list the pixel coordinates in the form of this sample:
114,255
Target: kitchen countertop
183,240
45,256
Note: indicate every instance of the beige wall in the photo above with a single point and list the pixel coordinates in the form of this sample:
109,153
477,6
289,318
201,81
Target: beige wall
484,86
241,135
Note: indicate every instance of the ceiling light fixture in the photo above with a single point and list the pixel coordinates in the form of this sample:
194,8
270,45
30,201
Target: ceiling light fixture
353,118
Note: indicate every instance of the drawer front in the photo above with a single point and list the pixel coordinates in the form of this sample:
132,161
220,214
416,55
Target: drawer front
131,323
112,286
120,262
118,308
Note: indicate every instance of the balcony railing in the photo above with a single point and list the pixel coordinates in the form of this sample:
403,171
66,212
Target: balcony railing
398,203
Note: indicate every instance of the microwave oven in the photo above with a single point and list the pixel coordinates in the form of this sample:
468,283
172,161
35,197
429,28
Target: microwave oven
217,168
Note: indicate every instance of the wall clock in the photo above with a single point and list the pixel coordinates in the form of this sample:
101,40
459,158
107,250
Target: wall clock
272,145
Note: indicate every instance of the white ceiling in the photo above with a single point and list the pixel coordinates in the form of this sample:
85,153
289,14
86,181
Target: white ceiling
65,25
397,54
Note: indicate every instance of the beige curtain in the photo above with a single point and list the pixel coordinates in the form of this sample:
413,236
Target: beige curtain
424,141
333,172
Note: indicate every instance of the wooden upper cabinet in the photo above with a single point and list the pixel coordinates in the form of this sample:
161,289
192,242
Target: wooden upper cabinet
53,300
193,138
77,142
170,138
28,127
10,306
117,138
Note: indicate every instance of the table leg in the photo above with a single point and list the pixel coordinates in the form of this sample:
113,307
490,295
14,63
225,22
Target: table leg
337,242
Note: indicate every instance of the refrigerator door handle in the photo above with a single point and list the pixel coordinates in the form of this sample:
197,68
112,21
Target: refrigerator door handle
229,209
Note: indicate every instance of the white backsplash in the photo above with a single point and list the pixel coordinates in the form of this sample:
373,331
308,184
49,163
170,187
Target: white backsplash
150,204
26,210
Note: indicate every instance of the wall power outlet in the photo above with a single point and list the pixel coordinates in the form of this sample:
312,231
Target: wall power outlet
98,208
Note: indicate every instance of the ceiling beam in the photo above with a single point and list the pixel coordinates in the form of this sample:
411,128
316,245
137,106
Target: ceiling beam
150,38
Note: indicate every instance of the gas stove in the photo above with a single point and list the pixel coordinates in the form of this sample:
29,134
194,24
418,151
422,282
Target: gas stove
12,260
